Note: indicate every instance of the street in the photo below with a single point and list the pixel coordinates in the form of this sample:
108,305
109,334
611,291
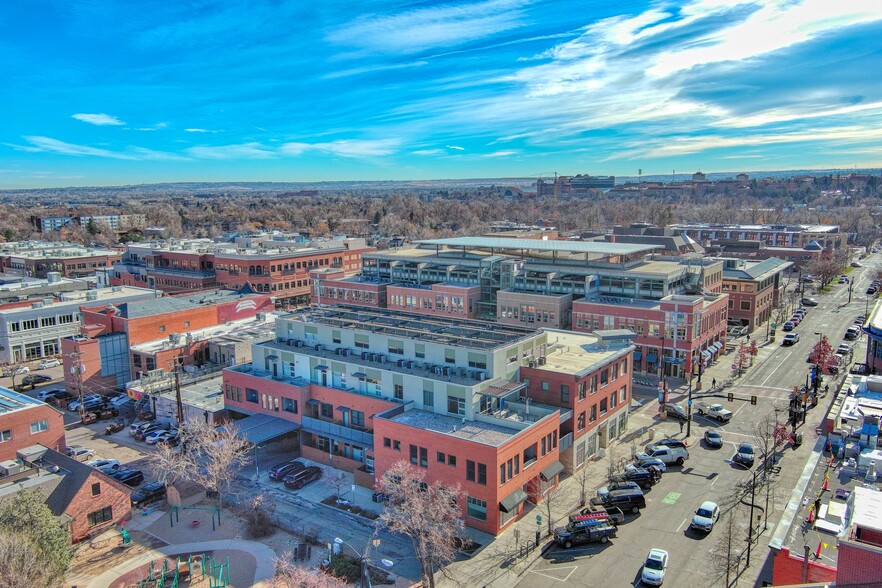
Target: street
710,474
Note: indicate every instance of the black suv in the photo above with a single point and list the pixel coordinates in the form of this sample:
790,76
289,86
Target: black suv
148,494
129,477
279,472
627,500
643,477
672,443
301,478
675,411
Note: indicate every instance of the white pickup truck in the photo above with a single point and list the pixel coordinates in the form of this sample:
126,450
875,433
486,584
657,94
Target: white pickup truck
715,411
669,455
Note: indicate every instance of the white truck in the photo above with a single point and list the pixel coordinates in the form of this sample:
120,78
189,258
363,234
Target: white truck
715,411
669,455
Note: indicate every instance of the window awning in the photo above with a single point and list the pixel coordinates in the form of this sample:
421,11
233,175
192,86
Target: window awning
343,408
323,368
312,401
652,358
511,502
272,357
705,353
552,470
719,345
638,355
359,375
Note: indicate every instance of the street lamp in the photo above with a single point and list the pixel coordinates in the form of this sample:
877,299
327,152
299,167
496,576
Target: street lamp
363,557
817,365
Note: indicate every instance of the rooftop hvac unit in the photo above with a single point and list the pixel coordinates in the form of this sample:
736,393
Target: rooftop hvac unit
9,467
401,363
445,370
92,295
298,343
364,355
410,364
318,347
482,376
541,361
531,364
37,304
381,358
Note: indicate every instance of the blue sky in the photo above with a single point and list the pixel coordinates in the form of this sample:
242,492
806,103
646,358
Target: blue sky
103,92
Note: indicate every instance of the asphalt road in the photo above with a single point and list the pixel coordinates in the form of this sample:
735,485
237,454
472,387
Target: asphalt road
708,474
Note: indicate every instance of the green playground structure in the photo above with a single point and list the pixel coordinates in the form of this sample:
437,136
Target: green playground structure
172,573
174,515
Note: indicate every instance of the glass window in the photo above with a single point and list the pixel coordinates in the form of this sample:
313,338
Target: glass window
357,418
428,398
6,435
327,410
441,457
564,394
451,460
455,405
289,405
482,474
251,395
477,508
100,516
414,454
470,470
96,489
40,426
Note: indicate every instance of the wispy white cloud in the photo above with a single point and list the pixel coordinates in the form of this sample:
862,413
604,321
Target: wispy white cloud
198,130
39,143
455,147
505,153
355,71
251,150
353,148
156,127
417,29
429,152
98,119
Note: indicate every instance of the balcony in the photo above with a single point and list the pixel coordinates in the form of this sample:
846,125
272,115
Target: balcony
337,432
188,273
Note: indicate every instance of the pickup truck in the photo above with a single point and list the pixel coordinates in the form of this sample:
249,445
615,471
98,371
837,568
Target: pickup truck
715,411
669,455
584,531
611,513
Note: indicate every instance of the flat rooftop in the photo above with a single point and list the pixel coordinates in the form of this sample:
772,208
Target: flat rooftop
13,401
145,308
506,244
436,329
232,332
476,431
867,511
102,295
205,394
780,228
577,353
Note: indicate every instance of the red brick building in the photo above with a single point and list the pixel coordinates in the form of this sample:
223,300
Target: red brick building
25,421
108,332
754,288
37,259
490,407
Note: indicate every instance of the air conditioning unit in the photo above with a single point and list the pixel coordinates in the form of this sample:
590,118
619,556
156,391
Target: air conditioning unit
410,365
542,361
282,340
381,358
346,352
292,342
318,347
401,363
481,376
531,364
445,370
298,343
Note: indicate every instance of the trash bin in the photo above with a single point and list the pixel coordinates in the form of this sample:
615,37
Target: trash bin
797,440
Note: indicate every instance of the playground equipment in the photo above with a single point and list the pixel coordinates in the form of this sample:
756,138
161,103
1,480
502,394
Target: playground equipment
173,572
174,515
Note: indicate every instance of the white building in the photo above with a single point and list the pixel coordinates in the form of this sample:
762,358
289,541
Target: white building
31,332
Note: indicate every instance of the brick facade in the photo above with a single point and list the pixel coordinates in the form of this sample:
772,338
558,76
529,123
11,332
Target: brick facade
112,494
16,425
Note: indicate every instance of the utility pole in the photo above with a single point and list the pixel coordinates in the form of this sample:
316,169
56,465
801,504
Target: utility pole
178,399
76,370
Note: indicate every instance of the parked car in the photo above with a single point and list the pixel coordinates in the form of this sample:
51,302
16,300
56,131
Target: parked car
790,339
279,472
154,428
45,395
74,405
34,379
715,411
147,494
644,477
713,439
844,349
48,363
745,455
801,311
677,412
301,478
61,398
671,443
871,290
860,369
788,326
795,319
158,436
651,462
584,530
612,486
705,517
101,464
19,371
654,567
856,264
119,401
669,455
852,333
80,453
137,426
627,500
129,477
808,302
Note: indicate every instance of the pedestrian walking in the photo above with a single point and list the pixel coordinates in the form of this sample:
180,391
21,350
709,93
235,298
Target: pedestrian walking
714,383
681,426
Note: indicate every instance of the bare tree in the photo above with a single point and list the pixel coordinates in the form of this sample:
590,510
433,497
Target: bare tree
582,476
727,553
548,494
22,564
425,513
290,575
337,480
169,464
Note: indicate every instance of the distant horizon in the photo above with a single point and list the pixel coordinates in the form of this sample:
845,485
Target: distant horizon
108,93
306,183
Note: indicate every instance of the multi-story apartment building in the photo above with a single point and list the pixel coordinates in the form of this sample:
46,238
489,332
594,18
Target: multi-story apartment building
39,258
495,408
46,224
578,184
35,331
281,270
117,342
20,291
25,421
789,236
580,285
754,288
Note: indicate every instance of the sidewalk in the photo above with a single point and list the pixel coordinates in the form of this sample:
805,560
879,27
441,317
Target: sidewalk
501,563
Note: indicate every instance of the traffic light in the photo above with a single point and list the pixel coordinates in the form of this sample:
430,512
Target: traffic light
753,400
730,397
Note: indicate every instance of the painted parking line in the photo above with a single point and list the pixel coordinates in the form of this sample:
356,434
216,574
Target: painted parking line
556,570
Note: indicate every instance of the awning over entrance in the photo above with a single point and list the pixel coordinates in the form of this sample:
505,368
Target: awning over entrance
638,355
652,358
323,368
260,428
552,470
511,502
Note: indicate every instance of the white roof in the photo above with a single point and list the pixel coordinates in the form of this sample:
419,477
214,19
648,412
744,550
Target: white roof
867,508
